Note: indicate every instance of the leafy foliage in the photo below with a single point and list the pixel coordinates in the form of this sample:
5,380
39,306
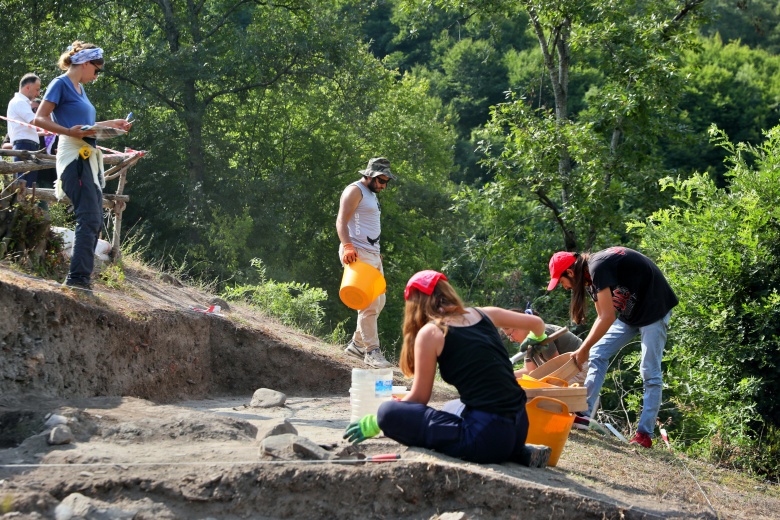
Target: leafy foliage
721,251
735,88
294,304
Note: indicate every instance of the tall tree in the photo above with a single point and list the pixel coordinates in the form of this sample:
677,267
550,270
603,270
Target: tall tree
581,166
196,53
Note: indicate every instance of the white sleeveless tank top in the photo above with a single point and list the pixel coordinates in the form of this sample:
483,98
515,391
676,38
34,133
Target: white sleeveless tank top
364,228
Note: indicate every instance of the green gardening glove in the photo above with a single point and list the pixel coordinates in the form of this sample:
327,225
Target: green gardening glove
363,429
531,340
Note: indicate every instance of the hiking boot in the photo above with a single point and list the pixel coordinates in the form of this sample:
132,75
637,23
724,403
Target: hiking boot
355,351
581,421
374,358
642,439
535,456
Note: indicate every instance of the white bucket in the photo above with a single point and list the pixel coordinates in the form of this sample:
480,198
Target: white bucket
370,388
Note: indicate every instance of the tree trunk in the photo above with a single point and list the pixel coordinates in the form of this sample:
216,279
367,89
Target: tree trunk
559,78
193,120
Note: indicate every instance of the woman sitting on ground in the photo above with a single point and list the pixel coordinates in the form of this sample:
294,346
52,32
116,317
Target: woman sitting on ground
466,345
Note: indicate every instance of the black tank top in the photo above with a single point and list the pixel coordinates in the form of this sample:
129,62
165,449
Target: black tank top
476,363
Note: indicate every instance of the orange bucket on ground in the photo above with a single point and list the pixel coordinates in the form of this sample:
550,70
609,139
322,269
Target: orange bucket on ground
549,423
360,285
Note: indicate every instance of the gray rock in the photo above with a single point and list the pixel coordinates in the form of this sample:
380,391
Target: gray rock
79,507
170,279
309,450
278,446
219,301
267,398
75,505
60,434
55,419
290,446
275,428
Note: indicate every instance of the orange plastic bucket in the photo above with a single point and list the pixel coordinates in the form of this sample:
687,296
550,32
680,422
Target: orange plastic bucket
545,382
533,383
360,285
549,423
550,380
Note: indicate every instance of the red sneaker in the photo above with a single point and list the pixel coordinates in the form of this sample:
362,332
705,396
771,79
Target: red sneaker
581,422
642,439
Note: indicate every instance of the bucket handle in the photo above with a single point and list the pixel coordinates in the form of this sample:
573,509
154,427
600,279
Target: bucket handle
552,380
549,404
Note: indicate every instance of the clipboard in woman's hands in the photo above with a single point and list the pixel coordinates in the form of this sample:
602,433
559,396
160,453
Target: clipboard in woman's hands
104,132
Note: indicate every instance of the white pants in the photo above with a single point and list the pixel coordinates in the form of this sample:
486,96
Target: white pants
367,333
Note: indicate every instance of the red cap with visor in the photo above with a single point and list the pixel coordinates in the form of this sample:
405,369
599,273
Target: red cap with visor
424,281
559,262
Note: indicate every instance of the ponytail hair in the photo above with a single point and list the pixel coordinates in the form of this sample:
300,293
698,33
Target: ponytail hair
579,284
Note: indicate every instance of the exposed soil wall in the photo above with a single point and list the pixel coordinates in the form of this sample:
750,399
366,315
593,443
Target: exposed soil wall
56,345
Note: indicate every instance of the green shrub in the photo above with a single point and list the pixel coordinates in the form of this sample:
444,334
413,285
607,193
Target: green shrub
294,304
720,249
29,241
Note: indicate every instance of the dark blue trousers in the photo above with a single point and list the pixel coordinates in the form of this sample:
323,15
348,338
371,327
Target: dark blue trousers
476,436
26,144
87,200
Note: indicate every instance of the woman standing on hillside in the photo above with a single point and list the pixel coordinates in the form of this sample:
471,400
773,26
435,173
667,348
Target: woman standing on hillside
632,297
65,110
465,344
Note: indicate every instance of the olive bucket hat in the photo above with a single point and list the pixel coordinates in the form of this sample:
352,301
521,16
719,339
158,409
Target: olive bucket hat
377,166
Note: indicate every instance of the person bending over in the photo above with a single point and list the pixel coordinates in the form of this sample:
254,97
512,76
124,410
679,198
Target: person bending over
631,296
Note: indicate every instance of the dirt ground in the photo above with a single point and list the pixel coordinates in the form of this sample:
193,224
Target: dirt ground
156,395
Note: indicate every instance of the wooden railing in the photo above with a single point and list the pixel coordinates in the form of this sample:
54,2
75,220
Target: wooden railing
115,202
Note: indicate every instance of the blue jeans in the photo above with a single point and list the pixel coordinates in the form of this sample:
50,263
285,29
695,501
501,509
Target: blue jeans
87,200
653,342
477,436
26,144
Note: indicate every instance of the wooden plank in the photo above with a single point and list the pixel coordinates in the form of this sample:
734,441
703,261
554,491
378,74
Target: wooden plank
576,398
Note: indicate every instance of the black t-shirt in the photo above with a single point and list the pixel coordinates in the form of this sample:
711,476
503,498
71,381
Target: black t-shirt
475,362
640,293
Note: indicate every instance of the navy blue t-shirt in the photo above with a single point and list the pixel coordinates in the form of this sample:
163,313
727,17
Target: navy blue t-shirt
640,293
72,108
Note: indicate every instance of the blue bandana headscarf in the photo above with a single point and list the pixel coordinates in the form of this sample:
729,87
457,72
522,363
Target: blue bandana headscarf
86,55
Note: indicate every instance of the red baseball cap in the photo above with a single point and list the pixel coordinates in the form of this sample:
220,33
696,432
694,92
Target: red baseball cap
424,281
559,262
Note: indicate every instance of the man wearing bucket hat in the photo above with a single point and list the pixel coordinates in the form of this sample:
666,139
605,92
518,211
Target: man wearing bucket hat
358,227
631,297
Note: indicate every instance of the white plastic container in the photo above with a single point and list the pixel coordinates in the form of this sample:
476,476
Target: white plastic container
370,388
